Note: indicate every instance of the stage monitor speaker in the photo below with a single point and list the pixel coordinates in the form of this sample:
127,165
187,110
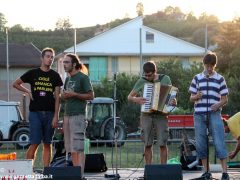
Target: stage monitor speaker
62,173
163,172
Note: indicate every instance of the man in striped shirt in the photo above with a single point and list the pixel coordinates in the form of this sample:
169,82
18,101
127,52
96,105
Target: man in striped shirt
209,93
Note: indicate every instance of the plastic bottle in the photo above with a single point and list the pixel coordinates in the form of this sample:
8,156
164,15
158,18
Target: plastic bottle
174,161
9,156
86,145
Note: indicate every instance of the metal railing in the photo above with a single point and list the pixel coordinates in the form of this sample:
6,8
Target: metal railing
129,155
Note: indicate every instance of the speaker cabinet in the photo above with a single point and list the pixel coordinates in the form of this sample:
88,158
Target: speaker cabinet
163,172
62,173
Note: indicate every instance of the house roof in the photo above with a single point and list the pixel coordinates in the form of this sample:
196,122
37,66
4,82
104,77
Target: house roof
125,40
20,55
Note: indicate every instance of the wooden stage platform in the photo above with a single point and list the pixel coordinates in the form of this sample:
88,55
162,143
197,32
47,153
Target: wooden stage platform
137,174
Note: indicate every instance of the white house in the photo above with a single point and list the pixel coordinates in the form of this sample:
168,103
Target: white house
126,47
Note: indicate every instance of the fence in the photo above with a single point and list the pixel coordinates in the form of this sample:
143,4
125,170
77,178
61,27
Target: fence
130,155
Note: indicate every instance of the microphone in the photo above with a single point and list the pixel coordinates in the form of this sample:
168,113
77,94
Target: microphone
206,74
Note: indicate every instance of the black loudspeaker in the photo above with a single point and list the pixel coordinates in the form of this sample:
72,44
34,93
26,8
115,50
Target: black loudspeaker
95,163
163,172
62,173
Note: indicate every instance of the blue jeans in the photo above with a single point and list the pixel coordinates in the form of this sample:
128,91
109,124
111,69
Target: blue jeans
40,124
216,129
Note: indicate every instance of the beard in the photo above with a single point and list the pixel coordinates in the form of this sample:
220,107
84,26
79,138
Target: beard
68,70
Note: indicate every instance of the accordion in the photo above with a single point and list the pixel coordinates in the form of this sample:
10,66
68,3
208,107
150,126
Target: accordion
158,97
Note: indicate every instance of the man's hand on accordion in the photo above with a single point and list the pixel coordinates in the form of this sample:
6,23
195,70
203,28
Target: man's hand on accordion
173,102
139,100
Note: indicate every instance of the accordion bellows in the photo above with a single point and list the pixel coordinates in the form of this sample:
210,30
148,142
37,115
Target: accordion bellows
158,97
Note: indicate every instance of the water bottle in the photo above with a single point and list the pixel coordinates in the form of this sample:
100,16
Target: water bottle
9,156
174,161
86,145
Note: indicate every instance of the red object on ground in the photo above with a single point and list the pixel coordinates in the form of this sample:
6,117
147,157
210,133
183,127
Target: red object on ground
184,120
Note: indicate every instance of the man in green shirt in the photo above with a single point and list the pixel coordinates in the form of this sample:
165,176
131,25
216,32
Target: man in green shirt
77,89
152,121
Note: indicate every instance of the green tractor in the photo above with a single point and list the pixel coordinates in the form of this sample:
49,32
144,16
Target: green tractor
100,116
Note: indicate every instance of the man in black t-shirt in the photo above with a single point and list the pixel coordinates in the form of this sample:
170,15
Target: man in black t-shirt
44,104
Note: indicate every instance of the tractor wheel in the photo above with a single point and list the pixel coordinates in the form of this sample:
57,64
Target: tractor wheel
121,133
22,136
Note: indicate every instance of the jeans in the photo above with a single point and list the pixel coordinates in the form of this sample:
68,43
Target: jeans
216,129
40,124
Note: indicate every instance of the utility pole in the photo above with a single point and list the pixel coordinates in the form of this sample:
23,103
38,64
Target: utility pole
7,65
140,42
206,38
75,40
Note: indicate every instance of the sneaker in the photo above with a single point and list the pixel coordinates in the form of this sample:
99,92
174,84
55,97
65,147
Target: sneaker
225,176
206,176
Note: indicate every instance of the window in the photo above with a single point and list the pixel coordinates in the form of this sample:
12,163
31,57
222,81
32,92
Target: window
185,63
149,37
114,64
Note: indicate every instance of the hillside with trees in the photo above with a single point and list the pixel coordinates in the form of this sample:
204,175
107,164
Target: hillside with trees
171,20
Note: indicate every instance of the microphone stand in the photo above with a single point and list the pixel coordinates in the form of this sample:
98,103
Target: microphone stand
115,176
207,123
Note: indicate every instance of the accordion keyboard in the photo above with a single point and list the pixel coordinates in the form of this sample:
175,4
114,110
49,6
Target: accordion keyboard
147,94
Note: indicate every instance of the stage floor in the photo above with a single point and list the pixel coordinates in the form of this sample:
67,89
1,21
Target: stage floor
137,174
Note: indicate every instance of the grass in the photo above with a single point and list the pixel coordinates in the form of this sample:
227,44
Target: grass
129,155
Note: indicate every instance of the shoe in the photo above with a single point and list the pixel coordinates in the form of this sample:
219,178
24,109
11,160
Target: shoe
225,176
206,176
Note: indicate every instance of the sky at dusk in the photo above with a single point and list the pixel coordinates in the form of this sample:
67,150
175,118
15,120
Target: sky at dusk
43,14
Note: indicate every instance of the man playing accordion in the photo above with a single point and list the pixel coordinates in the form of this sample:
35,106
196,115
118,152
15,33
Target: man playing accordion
154,120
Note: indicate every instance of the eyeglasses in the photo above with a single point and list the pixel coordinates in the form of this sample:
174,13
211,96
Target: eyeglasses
49,56
66,62
148,74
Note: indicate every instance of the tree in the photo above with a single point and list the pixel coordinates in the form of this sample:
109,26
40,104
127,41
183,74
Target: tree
140,9
3,22
17,28
207,19
228,42
63,24
174,13
181,78
190,17
124,85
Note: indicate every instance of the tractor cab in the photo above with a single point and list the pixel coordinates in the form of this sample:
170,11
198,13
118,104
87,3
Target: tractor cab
99,114
99,109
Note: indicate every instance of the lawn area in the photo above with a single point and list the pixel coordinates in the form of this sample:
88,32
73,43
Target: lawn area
129,156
